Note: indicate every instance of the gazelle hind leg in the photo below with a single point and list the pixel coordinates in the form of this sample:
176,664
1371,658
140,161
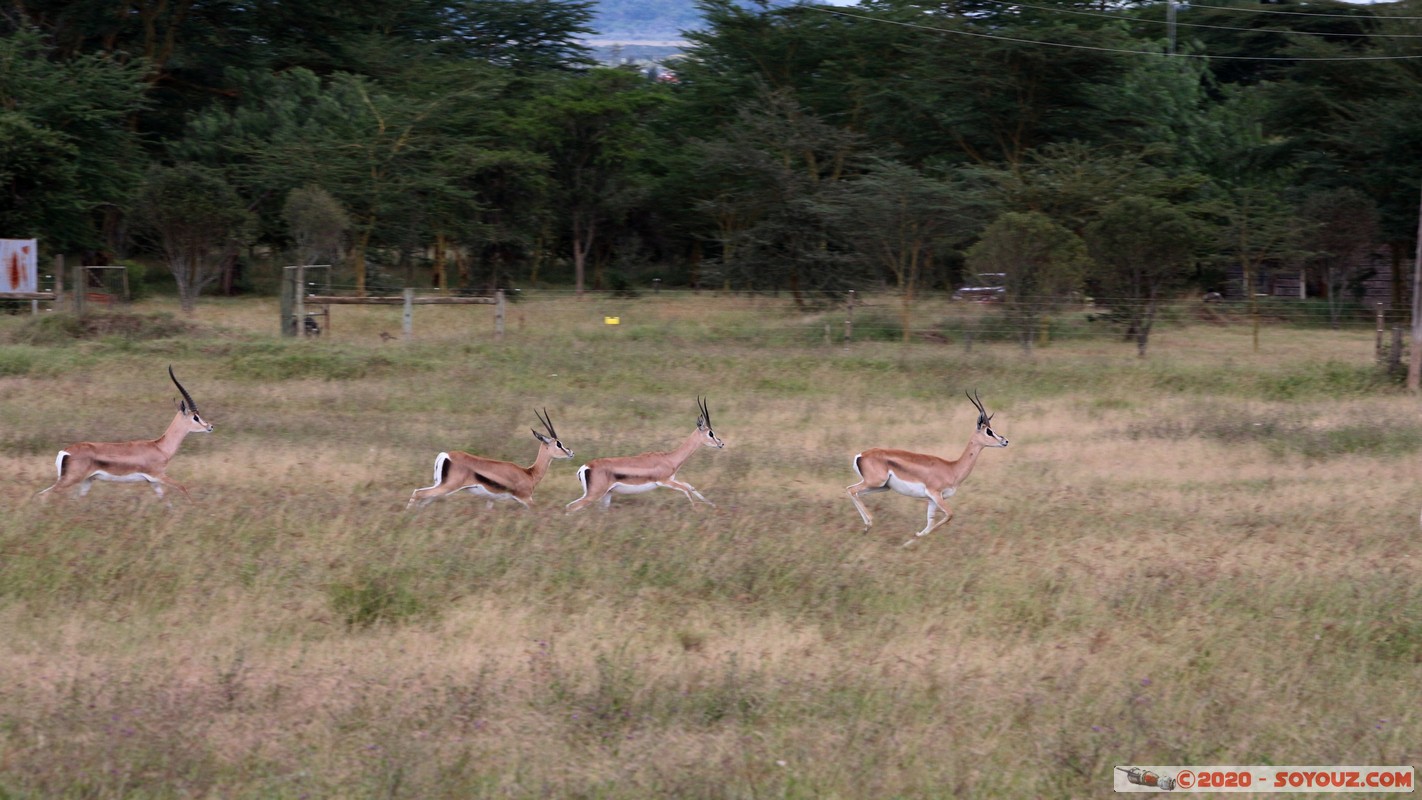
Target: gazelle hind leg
586,500
59,482
861,488
589,495
864,487
423,496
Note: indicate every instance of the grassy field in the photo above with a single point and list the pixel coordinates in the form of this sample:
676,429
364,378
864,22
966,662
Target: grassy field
1208,556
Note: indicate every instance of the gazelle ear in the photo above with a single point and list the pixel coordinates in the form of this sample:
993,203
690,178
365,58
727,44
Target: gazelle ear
540,437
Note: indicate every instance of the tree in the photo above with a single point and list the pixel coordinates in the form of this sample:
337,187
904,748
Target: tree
1068,181
524,35
898,219
384,154
1143,247
1043,261
196,220
593,130
67,158
769,182
1340,226
1256,227
317,222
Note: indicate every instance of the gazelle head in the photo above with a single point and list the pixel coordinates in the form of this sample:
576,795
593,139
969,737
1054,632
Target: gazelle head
188,409
985,433
551,440
703,424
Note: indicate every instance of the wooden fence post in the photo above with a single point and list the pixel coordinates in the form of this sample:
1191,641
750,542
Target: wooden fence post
58,281
849,320
1378,345
298,300
81,287
498,313
407,320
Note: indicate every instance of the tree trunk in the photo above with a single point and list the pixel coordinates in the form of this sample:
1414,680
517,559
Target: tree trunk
358,261
583,232
1414,361
441,271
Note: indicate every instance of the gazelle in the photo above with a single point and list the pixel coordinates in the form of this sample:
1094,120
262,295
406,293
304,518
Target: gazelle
83,463
603,477
494,480
921,475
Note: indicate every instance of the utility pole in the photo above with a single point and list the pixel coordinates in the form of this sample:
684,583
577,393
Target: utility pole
1414,361
1170,24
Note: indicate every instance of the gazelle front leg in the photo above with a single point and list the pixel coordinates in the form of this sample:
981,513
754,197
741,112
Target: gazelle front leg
164,480
930,525
687,489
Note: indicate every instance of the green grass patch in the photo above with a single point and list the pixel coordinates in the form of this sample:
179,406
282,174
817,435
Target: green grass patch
281,361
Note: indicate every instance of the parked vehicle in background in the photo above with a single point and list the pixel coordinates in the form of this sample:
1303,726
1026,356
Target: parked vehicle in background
989,287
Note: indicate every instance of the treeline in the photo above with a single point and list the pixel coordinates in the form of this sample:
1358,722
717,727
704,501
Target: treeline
1119,149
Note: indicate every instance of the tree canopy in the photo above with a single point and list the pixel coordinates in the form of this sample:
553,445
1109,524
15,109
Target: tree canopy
811,148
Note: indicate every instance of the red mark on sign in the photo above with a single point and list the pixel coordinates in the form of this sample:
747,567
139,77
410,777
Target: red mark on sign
14,269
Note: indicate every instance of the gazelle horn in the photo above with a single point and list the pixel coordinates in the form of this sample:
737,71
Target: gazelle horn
547,424
189,398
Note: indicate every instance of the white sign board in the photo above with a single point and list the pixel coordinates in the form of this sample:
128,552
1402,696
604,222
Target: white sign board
19,266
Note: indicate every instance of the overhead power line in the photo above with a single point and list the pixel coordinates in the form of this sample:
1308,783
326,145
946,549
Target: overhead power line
1201,25
1295,13
1044,43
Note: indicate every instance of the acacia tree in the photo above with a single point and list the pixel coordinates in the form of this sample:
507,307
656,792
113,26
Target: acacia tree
67,158
317,222
1344,224
1143,247
1043,261
898,218
770,182
1257,227
195,218
593,130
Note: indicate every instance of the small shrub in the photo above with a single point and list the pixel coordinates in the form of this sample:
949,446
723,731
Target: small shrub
278,362
1329,379
374,599
60,329
1286,437
17,361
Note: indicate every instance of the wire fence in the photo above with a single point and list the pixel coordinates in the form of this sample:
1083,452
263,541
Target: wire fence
809,318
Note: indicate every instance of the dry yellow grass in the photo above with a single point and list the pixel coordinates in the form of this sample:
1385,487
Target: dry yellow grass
1167,565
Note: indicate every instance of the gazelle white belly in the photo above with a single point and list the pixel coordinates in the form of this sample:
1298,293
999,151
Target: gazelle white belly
132,477
632,488
907,487
480,491
913,489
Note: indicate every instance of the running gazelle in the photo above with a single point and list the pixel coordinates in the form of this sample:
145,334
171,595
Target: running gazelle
82,463
603,477
457,471
921,475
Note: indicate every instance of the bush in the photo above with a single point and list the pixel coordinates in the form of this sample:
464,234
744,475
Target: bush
60,329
